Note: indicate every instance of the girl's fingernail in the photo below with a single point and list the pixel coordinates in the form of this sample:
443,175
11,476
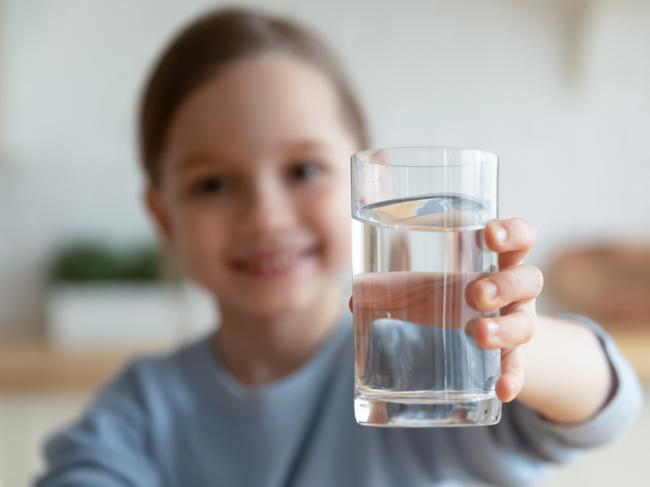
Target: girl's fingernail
500,233
492,328
489,290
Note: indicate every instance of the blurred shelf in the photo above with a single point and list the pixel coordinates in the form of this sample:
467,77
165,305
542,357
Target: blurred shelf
635,344
29,364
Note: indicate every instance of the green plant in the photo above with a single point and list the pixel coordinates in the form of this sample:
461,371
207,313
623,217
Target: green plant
85,261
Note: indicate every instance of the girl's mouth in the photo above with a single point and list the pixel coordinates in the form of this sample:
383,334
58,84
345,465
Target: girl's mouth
272,263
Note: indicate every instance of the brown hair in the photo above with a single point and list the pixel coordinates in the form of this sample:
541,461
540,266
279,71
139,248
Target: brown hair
212,42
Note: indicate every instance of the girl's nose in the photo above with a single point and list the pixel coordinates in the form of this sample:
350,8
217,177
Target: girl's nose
268,209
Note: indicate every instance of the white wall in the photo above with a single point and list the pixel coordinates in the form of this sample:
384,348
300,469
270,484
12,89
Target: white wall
559,89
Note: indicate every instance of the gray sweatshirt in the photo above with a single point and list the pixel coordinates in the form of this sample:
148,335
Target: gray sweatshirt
183,420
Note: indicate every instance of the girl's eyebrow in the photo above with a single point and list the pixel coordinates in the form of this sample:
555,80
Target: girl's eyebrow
199,159
307,145
196,160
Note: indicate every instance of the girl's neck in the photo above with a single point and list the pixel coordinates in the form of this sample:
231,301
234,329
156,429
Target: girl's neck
259,350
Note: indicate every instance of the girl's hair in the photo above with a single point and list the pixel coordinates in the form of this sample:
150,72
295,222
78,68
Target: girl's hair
207,46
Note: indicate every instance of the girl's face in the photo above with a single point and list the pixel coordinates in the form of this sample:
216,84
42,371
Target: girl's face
254,194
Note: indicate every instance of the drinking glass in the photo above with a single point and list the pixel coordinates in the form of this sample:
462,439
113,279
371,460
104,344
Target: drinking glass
419,215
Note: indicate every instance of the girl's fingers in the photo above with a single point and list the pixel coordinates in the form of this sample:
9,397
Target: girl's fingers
512,374
520,283
512,239
502,331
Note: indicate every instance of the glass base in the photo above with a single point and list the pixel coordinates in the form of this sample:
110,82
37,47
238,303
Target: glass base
424,409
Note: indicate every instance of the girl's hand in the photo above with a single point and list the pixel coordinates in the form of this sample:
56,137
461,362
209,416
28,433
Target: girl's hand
513,291
421,297
558,388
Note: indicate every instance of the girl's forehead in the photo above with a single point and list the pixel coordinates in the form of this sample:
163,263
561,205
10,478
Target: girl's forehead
268,100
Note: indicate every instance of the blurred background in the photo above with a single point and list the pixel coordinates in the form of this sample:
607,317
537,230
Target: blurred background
560,89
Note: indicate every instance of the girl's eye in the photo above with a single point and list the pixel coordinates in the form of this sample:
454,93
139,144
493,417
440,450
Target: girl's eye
208,185
305,171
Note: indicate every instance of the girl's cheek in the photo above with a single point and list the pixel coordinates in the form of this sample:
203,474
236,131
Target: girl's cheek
338,226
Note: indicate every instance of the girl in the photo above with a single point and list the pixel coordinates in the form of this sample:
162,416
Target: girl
246,130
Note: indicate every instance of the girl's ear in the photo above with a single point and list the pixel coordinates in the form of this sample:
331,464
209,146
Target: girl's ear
158,212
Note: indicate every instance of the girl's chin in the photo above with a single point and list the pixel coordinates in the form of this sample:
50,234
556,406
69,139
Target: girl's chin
279,300
275,306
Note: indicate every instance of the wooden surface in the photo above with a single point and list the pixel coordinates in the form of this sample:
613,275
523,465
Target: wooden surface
635,344
30,364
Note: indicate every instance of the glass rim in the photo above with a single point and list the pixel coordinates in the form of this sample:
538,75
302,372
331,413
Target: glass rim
366,156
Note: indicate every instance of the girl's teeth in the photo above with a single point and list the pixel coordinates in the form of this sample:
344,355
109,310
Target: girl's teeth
275,264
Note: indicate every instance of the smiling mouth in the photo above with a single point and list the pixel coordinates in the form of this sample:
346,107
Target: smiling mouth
273,263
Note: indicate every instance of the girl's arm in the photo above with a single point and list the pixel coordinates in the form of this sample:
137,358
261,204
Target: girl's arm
568,378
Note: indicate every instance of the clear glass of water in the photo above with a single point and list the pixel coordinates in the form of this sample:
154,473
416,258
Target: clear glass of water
417,242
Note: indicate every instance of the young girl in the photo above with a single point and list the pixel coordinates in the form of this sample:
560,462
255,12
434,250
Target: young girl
247,127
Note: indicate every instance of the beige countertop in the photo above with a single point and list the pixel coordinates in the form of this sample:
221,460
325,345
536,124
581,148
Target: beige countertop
31,364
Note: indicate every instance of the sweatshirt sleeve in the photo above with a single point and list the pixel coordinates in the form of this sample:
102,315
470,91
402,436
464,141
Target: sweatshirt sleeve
520,449
107,446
